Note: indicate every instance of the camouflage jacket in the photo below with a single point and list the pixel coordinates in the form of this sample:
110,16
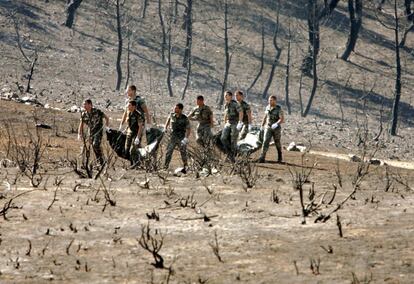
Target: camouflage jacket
202,115
232,110
179,125
245,108
273,114
133,120
94,120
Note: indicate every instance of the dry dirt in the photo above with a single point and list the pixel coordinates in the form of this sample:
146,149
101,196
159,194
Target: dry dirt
79,239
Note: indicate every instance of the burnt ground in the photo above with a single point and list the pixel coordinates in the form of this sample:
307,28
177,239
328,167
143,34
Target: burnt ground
260,232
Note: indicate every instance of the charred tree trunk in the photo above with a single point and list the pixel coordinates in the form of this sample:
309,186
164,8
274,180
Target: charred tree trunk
164,34
328,9
169,64
313,34
261,62
119,55
315,51
72,6
189,31
394,122
187,79
128,73
32,66
144,8
355,17
287,76
410,18
227,55
276,60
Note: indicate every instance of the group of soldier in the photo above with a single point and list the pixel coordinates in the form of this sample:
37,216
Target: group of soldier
136,117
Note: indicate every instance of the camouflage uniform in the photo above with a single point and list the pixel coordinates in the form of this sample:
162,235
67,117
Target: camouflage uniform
246,108
203,116
133,120
140,105
179,126
229,135
273,115
94,121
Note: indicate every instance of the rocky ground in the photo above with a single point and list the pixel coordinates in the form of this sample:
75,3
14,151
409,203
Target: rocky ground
213,229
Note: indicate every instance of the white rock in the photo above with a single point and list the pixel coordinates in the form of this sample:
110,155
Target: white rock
74,109
296,148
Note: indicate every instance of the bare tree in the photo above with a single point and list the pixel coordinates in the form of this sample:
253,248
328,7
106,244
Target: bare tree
169,63
355,17
188,21
277,55
410,18
120,42
287,76
188,24
313,37
164,33
261,61
226,54
144,8
397,89
72,6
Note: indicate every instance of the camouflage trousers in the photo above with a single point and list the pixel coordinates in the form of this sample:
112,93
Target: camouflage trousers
174,142
270,133
96,141
229,138
204,135
244,131
130,149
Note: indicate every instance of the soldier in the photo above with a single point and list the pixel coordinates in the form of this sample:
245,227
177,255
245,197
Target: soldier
141,107
180,126
271,125
93,118
247,115
233,119
203,114
135,122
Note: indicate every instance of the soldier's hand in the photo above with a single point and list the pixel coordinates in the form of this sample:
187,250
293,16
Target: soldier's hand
107,129
275,125
250,127
184,142
239,126
148,126
136,141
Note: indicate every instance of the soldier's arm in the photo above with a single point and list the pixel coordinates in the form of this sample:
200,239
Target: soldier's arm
240,114
147,114
106,120
188,130
249,116
80,129
281,117
167,123
140,127
123,118
264,119
191,115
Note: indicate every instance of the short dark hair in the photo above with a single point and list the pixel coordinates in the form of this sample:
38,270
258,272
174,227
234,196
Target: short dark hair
180,105
238,92
201,98
133,103
273,97
228,93
88,101
133,87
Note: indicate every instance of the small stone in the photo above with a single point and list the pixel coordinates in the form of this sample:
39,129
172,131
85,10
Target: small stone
354,158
